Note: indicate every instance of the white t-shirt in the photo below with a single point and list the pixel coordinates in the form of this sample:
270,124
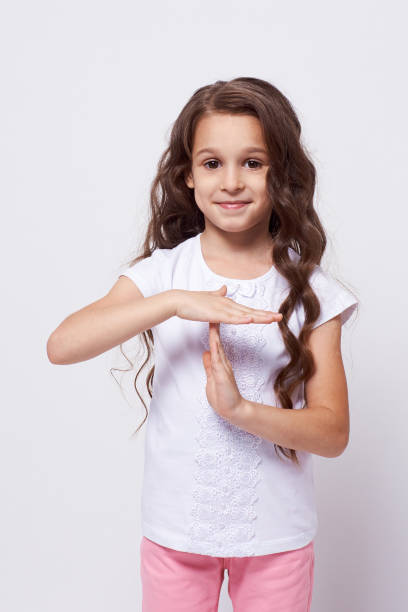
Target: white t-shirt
210,487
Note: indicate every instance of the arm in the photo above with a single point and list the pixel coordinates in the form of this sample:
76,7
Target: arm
108,322
322,427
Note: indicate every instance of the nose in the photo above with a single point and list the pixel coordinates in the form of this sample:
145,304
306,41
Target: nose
231,179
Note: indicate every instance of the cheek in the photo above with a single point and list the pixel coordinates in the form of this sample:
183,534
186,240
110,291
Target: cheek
205,186
202,199
258,185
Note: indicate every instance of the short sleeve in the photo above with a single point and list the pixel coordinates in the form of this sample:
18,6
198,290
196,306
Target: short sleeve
334,298
147,273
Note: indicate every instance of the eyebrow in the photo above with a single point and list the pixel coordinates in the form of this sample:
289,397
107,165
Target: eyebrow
248,150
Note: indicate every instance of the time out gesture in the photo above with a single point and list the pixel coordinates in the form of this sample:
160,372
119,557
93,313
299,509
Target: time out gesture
214,307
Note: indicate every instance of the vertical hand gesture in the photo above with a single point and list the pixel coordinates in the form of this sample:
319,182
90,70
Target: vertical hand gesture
221,389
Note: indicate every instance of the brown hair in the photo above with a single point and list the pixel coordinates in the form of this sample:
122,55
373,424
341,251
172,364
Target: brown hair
291,178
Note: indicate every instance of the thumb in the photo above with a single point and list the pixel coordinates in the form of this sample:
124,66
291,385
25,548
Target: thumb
222,289
206,356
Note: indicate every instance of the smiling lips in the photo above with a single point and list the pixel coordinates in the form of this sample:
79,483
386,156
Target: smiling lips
234,204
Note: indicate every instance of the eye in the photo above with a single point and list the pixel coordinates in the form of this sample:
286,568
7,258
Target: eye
212,161
255,162
215,161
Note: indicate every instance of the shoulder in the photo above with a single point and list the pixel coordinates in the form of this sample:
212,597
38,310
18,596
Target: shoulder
334,298
178,257
183,247
167,255
153,274
323,282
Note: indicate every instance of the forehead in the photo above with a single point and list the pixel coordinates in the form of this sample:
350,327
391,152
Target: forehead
223,131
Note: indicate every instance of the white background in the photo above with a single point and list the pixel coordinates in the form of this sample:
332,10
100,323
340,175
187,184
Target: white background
89,92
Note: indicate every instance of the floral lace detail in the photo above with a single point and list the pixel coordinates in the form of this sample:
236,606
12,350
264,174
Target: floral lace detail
226,472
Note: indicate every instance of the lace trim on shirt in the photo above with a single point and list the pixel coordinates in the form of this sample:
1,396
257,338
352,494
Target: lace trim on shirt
223,512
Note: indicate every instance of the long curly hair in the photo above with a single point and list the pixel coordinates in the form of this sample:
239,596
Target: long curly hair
290,185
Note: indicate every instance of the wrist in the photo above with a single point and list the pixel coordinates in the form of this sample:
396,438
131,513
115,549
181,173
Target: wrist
242,413
173,296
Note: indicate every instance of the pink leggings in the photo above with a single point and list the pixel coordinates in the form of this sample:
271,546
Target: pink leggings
175,581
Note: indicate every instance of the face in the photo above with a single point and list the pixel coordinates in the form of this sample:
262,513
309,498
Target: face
229,163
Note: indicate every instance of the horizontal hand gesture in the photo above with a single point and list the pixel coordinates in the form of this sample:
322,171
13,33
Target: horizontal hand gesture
215,307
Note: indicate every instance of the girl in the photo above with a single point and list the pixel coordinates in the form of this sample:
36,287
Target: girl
249,381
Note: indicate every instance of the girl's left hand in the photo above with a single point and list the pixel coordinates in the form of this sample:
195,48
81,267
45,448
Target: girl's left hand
221,389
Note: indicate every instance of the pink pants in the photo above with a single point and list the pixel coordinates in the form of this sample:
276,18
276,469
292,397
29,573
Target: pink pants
175,581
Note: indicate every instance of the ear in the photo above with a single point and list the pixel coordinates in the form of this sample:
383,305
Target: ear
189,181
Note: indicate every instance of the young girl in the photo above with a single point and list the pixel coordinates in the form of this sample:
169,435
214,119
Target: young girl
248,379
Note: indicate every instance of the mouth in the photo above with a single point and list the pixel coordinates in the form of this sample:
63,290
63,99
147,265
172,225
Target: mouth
233,204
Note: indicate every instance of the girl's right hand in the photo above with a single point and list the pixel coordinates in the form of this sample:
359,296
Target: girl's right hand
214,307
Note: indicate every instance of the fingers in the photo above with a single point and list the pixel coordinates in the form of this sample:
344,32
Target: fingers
213,334
256,314
216,347
259,316
262,313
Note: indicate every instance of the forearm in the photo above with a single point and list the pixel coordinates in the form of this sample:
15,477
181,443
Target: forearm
314,430
96,329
